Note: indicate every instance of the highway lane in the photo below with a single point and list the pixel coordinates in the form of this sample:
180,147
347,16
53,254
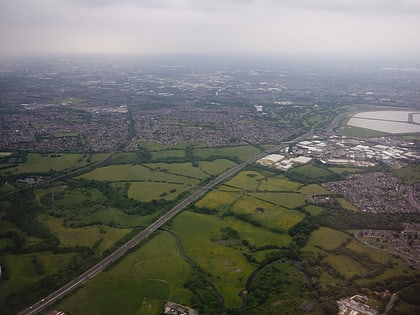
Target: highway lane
122,250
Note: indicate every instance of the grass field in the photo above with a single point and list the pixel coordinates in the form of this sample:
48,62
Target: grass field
141,283
314,210
345,265
164,154
183,169
360,132
136,173
22,272
409,175
220,200
341,170
278,184
347,205
325,238
257,237
311,171
314,190
6,187
112,216
228,267
37,163
287,200
241,152
147,191
246,180
271,216
216,167
86,236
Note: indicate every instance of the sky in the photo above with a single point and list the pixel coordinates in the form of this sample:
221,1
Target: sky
275,27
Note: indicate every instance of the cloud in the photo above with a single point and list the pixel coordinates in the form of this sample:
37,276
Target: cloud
218,26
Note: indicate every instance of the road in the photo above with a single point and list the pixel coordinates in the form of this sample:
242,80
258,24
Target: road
122,250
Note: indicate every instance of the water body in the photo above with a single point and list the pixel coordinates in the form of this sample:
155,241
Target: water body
394,122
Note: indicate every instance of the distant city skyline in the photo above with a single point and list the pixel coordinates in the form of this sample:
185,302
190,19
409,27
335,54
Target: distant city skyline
382,28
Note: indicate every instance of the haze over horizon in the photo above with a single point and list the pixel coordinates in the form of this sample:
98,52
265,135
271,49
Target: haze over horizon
380,28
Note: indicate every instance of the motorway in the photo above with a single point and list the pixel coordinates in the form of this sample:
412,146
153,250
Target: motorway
122,250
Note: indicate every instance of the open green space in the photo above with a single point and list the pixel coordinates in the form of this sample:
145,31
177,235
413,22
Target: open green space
43,163
137,173
23,273
166,154
141,283
360,132
409,175
341,170
326,239
345,265
347,205
228,267
311,171
112,217
314,190
183,169
242,153
278,183
219,200
148,191
314,210
287,200
246,180
266,213
216,167
84,236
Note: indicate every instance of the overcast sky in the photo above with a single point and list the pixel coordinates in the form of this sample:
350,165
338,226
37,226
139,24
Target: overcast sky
278,27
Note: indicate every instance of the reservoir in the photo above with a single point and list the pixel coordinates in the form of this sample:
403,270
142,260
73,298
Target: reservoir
394,122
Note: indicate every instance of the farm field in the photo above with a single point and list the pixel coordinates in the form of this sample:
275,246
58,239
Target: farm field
148,191
314,189
246,180
216,167
135,173
267,214
311,171
278,183
38,163
228,267
219,200
240,152
22,272
141,283
287,200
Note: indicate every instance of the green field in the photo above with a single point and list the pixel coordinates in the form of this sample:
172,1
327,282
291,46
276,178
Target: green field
22,272
360,132
216,167
241,152
326,238
182,169
220,200
341,170
278,184
137,173
347,205
141,283
269,215
38,163
112,217
164,154
86,236
246,180
228,267
314,190
314,210
147,191
311,171
287,200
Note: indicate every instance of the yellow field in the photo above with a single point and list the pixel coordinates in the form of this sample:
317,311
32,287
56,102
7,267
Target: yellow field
217,199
